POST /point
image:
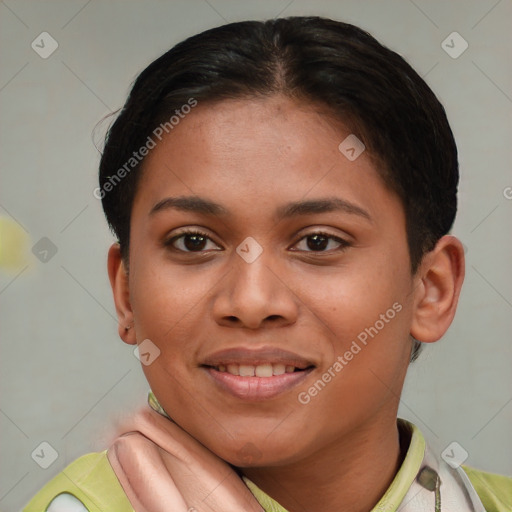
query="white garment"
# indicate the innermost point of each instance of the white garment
(66, 502)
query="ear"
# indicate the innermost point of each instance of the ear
(118, 276)
(437, 288)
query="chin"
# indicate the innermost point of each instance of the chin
(254, 453)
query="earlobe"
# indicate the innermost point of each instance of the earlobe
(121, 291)
(439, 281)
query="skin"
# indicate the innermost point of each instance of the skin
(252, 157)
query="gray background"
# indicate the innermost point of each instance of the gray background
(65, 375)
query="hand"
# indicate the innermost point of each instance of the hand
(164, 469)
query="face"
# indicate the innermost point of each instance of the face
(273, 275)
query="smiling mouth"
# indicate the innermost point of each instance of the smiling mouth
(261, 370)
(259, 381)
(252, 374)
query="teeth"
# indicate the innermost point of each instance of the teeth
(278, 369)
(262, 370)
(233, 369)
(246, 370)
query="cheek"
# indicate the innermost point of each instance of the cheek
(367, 309)
(365, 373)
(158, 288)
(166, 303)
(351, 298)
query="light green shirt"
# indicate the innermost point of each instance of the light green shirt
(92, 480)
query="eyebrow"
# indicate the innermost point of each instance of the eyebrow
(308, 207)
(313, 206)
(189, 204)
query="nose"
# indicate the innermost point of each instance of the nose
(254, 296)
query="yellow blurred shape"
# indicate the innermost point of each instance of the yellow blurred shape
(14, 243)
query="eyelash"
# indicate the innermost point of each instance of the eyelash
(343, 243)
(169, 243)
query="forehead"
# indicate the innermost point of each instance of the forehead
(242, 131)
(258, 151)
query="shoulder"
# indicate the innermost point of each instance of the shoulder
(89, 478)
(495, 491)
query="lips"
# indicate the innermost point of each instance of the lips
(257, 374)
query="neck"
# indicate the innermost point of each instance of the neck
(350, 474)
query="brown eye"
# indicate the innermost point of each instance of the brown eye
(317, 242)
(192, 241)
(321, 242)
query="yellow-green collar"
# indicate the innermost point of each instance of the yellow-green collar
(155, 405)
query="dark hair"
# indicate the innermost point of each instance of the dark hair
(368, 87)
